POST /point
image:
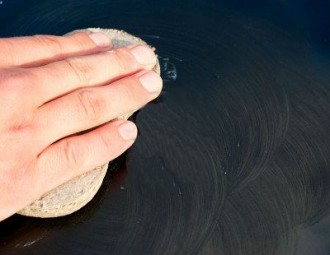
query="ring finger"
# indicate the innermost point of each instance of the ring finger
(90, 107)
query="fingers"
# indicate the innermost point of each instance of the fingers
(57, 79)
(41, 49)
(76, 155)
(88, 108)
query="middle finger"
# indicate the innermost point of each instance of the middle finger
(87, 108)
(59, 78)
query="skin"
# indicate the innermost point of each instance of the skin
(52, 88)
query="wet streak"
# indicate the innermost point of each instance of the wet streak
(232, 159)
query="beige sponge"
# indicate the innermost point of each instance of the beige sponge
(74, 194)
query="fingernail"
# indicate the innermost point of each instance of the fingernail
(151, 82)
(144, 55)
(100, 39)
(128, 131)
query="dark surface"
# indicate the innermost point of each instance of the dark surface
(233, 159)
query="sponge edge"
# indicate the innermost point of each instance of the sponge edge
(76, 193)
(69, 197)
(120, 38)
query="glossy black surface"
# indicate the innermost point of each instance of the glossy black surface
(234, 157)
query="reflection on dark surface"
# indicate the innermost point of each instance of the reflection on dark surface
(233, 159)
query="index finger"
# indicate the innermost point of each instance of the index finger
(38, 50)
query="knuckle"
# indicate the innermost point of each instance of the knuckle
(17, 174)
(15, 76)
(80, 39)
(51, 43)
(7, 46)
(15, 82)
(70, 153)
(124, 61)
(24, 130)
(131, 90)
(80, 69)
(90, 104)
(105, 141)
(10, 180)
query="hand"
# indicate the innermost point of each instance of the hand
(52, 88)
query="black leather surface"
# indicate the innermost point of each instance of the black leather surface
(233, 159)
